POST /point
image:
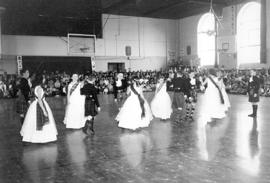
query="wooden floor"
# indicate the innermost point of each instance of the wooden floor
(235, 149)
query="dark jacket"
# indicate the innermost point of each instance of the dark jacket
(188, 87)
(90, 91)
(179, 85)
(254, 89)
(254, 86)
(25, 89)
(116, 89)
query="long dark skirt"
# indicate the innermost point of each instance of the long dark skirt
(90, 108)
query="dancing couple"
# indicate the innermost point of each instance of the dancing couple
(82, 104)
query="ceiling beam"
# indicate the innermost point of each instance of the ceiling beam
(194, 11)
(168, 6)
(162, 8)
(235, 2)
(118, 6)
(215, 3)
(199, 10)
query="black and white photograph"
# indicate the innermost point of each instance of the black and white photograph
(134, 91)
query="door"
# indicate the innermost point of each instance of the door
(116, 67)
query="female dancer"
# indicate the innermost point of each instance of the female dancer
(213, 101)
(39, 125)
(74, 117)
(227, 103)
(135, 112)
(161, 104)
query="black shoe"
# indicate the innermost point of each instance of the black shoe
(86, 126)
(254, 108)
(91, 127)
(84, 130)
(92, 132)
(22, 120)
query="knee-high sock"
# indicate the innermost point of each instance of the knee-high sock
(255, 108)
(91, 126)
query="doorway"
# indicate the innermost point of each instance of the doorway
(116, 67)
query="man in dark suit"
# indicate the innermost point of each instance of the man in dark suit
(254, 92)
(23, 96)
(179, 88)
(190, 95)
(91, 104)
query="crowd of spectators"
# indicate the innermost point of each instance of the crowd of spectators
(236, 82)
(55, 83)
(8, 86)
(105, 80)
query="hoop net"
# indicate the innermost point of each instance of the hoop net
(81, 44)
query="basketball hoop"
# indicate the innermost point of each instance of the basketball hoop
(211, 33)
(81, 44)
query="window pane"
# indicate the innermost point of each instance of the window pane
(206, 41)
(249, 33)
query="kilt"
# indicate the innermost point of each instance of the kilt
(21, 106)
(178, 100)
(252, 98)
(90, 108)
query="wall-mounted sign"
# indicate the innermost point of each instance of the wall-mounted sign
(93, 65)
(19, 63)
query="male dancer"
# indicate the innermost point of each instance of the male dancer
(253, 92)
(119, 87)
(190, 94)
(24, 96)
(179, 88)
(91, 103)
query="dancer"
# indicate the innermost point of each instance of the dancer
(135, 112)
(191, 96)
(161, 104)
(227, 103)
(253, 92)
(39, 125)
(213, 100)
(91, 103)
(74, 117)
(178, 96)
(23, 96)
(119, 87)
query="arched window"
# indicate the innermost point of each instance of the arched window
(206, 39)
(249, 33)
